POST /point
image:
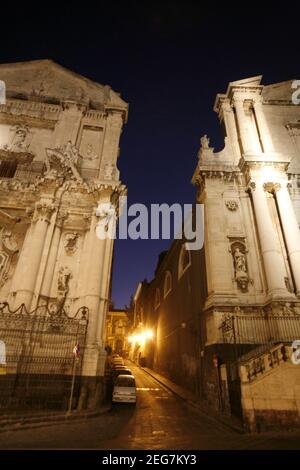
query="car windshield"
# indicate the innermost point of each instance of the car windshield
(125, 382)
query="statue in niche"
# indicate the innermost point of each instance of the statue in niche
(64, 276)
(240, 261)
(240, 268)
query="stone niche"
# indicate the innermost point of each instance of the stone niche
(91, 146)
(238, 251)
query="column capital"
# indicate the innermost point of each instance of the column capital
(238, 98)
(252, 186)
(271, 187)
(43, 211)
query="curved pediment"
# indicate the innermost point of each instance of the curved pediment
(45, 80)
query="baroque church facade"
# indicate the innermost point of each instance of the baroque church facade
(59, 145)
(225, 323)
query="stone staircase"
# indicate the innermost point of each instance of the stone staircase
(263, 360)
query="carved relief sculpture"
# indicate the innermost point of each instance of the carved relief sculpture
(18, 147)
(8, 247)
(64, 276)
(63, 161)
(231, 205)
(70, 242)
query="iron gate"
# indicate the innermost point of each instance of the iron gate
(37, 364)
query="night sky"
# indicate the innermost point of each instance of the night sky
(168, 60)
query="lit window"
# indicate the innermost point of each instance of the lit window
(167, 283)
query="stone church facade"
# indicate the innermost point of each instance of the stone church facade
(251, 194)
(59, 145)
(225, 323)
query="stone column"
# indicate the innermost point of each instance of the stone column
(247, 128)
(49, 273)
(290, 229)
(29, 262)
(263, 128)
(272, 257)
(230, 125)
(94, 357)
(242, 124)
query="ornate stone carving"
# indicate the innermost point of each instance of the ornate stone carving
(9, 242)
(64, 276)
(63, 161)
(61, 217)
(43, 211)
(18, 148)
(231, 205)
(4, 268)
(8, 247)
(204, 142)
(70, 242)
(241, 276)
(90, 153)
(109, 171)
(19, 141)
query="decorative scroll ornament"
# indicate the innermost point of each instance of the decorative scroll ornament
(63, 161)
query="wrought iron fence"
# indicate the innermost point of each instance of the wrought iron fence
(38, 363)
(260, 329)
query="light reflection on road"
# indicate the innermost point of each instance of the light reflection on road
(146, 389)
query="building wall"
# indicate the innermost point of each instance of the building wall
(62, 132)
(250, 192)
(117, 330)
(175, 350)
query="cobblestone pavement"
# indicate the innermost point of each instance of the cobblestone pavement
(158, 421)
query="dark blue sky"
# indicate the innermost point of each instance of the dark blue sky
(168, 60)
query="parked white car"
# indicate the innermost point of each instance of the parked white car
(124, 389)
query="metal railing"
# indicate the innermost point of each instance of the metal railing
(259, 329)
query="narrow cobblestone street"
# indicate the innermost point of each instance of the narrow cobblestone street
(159, 421)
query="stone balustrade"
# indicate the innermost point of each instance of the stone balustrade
(256, 367)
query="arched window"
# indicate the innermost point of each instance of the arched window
(167, 283)
(157, 299)
(184, 261)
